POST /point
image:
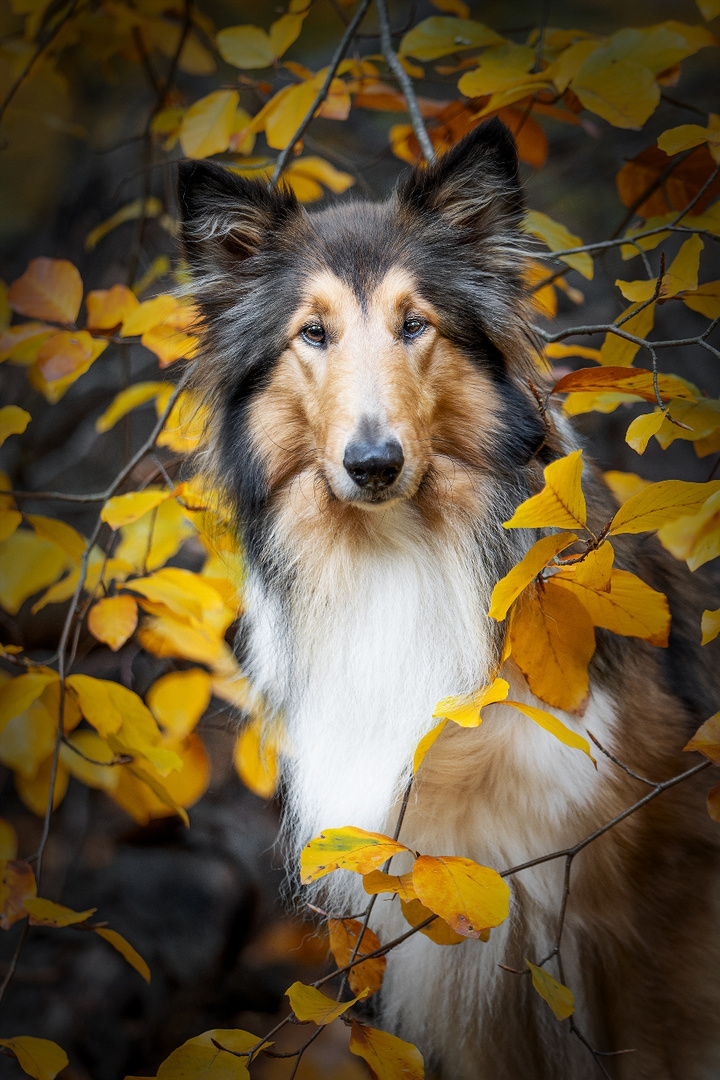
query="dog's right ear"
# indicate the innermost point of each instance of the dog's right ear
(224, 217)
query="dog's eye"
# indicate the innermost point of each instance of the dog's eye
(313, 334)
(413, 327)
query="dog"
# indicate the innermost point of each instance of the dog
(368, 370)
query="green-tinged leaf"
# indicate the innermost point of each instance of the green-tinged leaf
(439, 35)
(348, 849)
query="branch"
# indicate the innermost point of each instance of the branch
(405, 83)
(284, 155)
(36, 56)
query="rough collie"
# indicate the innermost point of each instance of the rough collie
(368, 372)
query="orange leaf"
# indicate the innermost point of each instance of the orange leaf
(107, 308)
(387, 1057)
(706, 739)
(348, 849)
(69, 352)
(17, 885)
(113, 620)
(560, 504)
(710, 625)
(553, 641)
(469, 897)
(623, 380)
(378, 882)
(344, 934)
(438, 930)
(49, 289)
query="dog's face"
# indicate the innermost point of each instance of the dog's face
(367, 353)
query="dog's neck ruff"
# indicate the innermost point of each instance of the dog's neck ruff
(369, 637)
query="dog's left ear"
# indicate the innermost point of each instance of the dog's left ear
(474, 187)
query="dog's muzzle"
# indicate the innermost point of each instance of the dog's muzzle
(374, 465)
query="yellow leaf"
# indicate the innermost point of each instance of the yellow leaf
(127, 400)
(366, 978)
(681, 276)
(47, 913)
(560, 504)
(20, 344)
(201, 1057)
(630, 608)
(113, 620)
(379, 882)
(502, 68)
(28, 564)
(438, 36)
(208, 124)
(709, 9)
(465, 709)
(310, 1004)
(8, 841)
(348, 849)
(314, 169)
(59, 533)
(148, 208)
(156, 800)
(183, 592)
(425, 743)
(37, 1057)
(34, 792)
(705, 299)
(637, 382)
(469, 897)
(553, 641)
(710, 625)
(13, 421)
(148, 543)
(186, 425)
(246, 47)
(49, 289)
(126, 950)
(285, 30)
(9, 521)
(642, 428)
(557, 351)
(103, 777)
(438, 930)
(19, 693)
(387, 1057)
(169, 344)
(178, 700)
(28, 740)
(688, 135)
(283, 120)
(96, 702)
(255, 759)
(619, 352)
(107, 308)
(554, 726)
(558, 997)
(167, 637)
(148, 314)
(558, 237)
(661, 503)
(540, 554)
(124, 509)
(620, 91)
(17, 886)
(706, 739)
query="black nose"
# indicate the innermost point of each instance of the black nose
(374, 465)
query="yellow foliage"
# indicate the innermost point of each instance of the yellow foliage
(516, 581)
(347, 849)
(438, 930)
(558, 997)
(561, 503)
(387, 1056)
(39, 1058)
(469, 897)
(13, 421)
(256, 759)
(365, 978)
(49, 289)
(310, 1004)
(558, 237)
(113, 620)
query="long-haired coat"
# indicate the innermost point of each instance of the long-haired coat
(367, 369)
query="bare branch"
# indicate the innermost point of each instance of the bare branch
(405, 83)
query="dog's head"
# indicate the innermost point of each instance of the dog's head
(375, 352)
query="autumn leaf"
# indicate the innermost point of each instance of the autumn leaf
(629, 607)
(59, 533)
(554, 726)
(113, 620)
(48, 913)
(107, 308)
(438, 36)
(553, 641)
(379, 882)
(686, 136)
(148, 314)
(558, 997)
(310, 1004)
(208, 124)
(34, 792)
(19, 693)
(245, 47)
(713, 803)
(255, 759)
(8, 840)
(469, 897)
(681, 276)
(387, 1056)
(344, 934)
(178, 700)
(49, 289)
(560, 504)
(516, 581)
(39, 1058)
(706, 739)
(661, 503)
(125, 509)
(465, 710)
(68, 353)
(635, 381)
(125, 949)
(201, 1057)
(617, 351)
(127, 400)
(28, 564)
(426, 742)
(438, 930)
(695, 537)
(13, 421)
(620, 91)
(348, 849)
(710, 625)
(558, 237)
(17, 886)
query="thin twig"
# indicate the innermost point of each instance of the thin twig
(405, 83)
(36, 56)
(284, 155)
